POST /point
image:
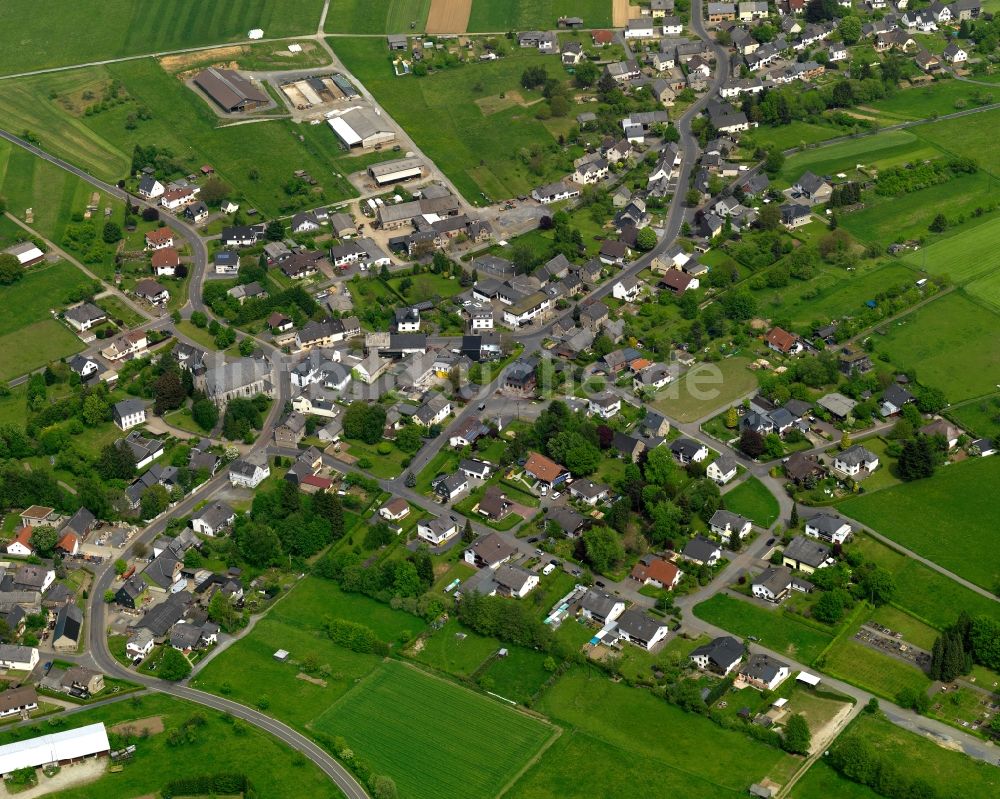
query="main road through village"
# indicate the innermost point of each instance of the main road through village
(99, 655)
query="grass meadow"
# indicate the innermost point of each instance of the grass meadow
(772, 628)
(980, 417)
(377, 16)
(732, 381)
(949, 343)
(29, 336)
(947, 518)
(479, 151)
(411, 725)
(873, 671)
(220, 745)
(67, 33)
(492, 16)
(751, 499)
(962, 257)
(257, 160)
(693, 751)
(833, 292)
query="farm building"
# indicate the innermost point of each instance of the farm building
(230, 90)
(396, 170)
(60, 747)
(26, 252)
(361, 127)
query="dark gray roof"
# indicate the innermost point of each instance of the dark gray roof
(775, 579)
(722, 651)
(825, 523)
(69, 623)
(803, 549)
(856, 455)
(600, 603)
(638, 624)
(723, 517)
(700, 548)
(762, 667)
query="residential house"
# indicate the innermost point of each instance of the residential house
(513, 581)
(944, 429)
(20, 544)
(657, 572)
(213, 519)
(140, 644)
(641, 629)
(720, 656)
(128, 413)
(806, 555)
(589, 492)
(68, 630)
(554, 192)
(776, 582)
(605, 405)
(726, 524)
(249, 472)
(722, 470)
(855, 460)
(828, 527)
(813, 188)
(686, 450)
(784, 342)
(129, 595)
(894, 398)
(763, 672)
(475, 469)
(702, 551)
(437, 530)
(18, 658)
(227, 262)
(489, 551)
(600, 606)
(546, 473)
(18, 702)
(494, 504)
(159, 238)
(84, 316)
(395, 509)
(449, 486)
(795, 216)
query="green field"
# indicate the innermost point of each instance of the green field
(456, 650)
(219, 745)
(27, 318)
(377, 16)
(950, 344)
(881, 674)
(36, 41)
(883, 149)
(478, 151)
(784, 137)
(922, 592)
(948, 518)
(973, 136)
(822, 782)
(499, 16)
(773, 628)
(256, 159)
(706, 388)
(412, 725)
(980, 417)
(707, 760)
(987, 289)
(964, 256)
(518, 676)
(752, 499)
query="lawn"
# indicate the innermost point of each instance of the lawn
(478, 151)
(864, 667)
(833, 293)
(922, 592)
(948, 518)
(752, 499)
(979, 417)
(28, 305)
(772, 628)
(518, 676)
(964, 256)
(118, 310)
(456, 650)
(796, 134)
(479, 745)
(219, 745)
(987, 290)
(377, 16)
(426, 286)
(913, 630)
(690, 747)
(257, 160)
(382, 466)
(705, 388)
(822, 782)
(950, 343)
(35, 41)
(515, 15)
(842, 156)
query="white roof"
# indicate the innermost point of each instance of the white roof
(806, 677)
(256, 33)
(344, 131)
(67, 745)
(25, 253)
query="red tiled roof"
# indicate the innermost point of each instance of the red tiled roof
(160, 235)
(543, 468)
(24, 537)
(660, 570)
(781, 339)
(316, 480)
(603, 37)
(165, 257)
(67, 543)
(676, 280)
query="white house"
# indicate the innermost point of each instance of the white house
(600, 606)
(129, 413)
(245, 473)
(829, 528)
(604, 405)
(514, 581)
(213, 519)
(641, 629)
(764, 672)
(395, 509)
(721, 655)
(140, 644)
(18, 658)
(437, 530)
(855, 459)
(725, 524)
(626, 289)
(721, 470)
(554, 192)
(21, 543)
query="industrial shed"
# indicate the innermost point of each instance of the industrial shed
(396, 170)
(60, 747)
(231, 91)
(361, 127)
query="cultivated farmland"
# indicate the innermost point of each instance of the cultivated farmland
(377, 16)
(948, 518)
(33, 40)
(497, 16)
(411, 725)
(949, 343)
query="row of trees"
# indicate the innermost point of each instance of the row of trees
(969, 640)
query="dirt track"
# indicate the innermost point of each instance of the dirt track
(449, 16)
